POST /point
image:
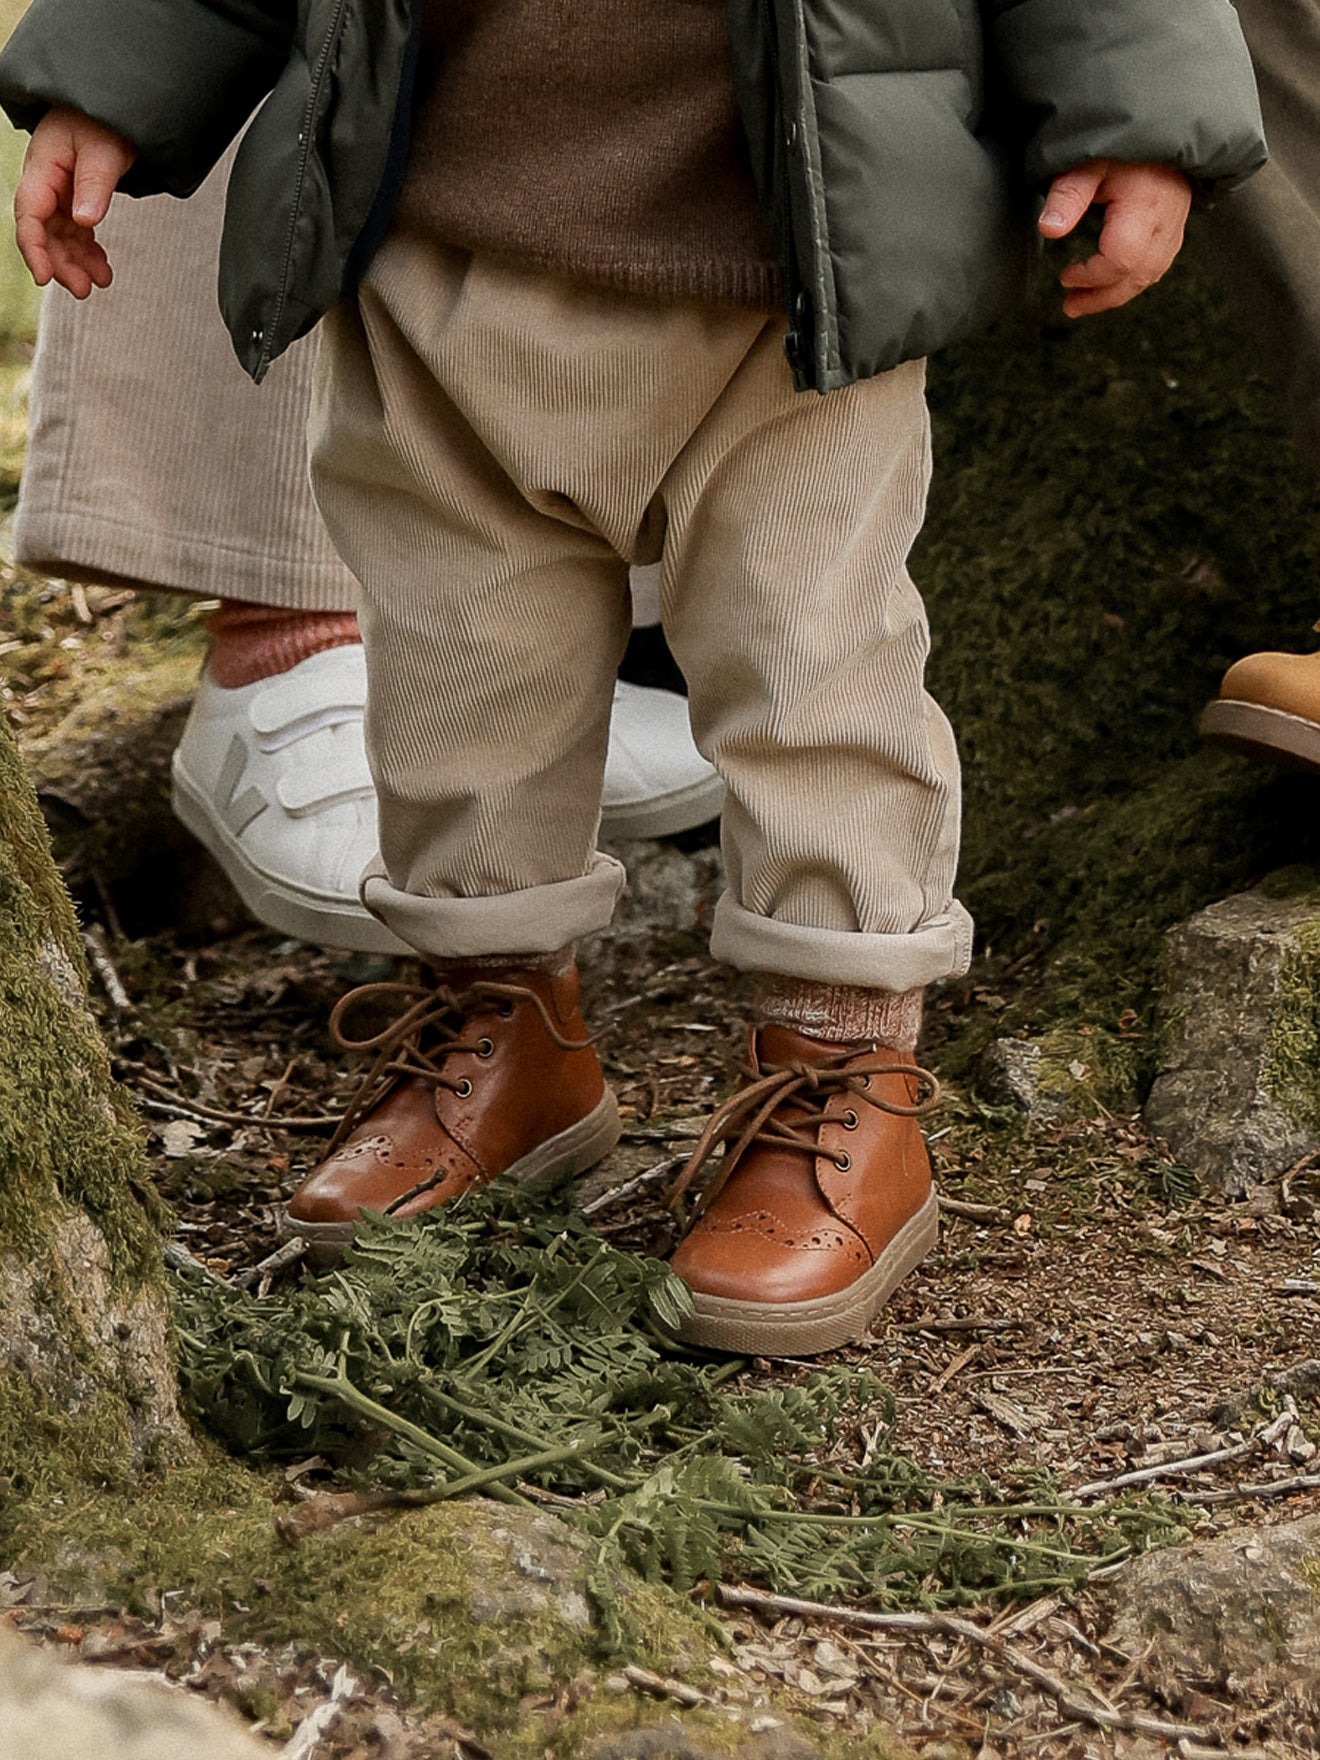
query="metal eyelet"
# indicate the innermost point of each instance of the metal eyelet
(843, 1161)
(464, 1089)
(866, 1081)
(506, 1010)
(849, 1120)
(485, 1047)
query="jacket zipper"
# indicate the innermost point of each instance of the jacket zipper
(797, 340)
(304, 154)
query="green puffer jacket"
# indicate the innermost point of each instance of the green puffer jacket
(897, 144)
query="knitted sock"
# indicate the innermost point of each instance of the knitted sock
(842, 1013)
(251, 642)
(556, 964)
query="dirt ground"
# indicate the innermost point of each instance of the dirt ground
(1088, 1311)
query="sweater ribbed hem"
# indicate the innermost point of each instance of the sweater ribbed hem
(741, 286)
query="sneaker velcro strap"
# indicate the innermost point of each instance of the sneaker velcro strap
(313, 786)
(329, 687)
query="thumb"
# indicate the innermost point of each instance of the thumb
(1069, 198)
(98, 169)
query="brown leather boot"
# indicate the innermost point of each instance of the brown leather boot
(1268, 708)
(492, 1072)
(822, 1202)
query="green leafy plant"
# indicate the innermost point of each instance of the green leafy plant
(520, 1356)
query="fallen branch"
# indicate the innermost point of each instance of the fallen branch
(949, 1626)
(661, 1170)
(1259, 1440)
(1243, 1493)
(288, 1254)
(972, 1212)
(171, 1106)
(98, 953)
(661, 1687)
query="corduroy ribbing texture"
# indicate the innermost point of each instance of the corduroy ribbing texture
(491, 449)
(600, 139)
(152, 458)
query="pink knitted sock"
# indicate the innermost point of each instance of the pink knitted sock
(251, 642)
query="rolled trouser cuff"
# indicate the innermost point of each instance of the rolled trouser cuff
(537, 920)
(939, 948)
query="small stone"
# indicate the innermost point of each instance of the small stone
(1298, 1446)
(1010, 1075)
(1232, 1605)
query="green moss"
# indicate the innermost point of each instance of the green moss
(68, 1137)
(1090, 576)
(1290, 1072)
(76, 1208)
(396, 1595)
(1089, 1072)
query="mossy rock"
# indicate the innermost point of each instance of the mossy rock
(471, 1609)
(1090, 575)
(1237, 1093)
(86, 1370)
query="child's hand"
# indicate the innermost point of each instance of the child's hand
(1146, 210)
(72, 167)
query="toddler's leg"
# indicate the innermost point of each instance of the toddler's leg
(789, 605)
(790, 609)
(493, 626)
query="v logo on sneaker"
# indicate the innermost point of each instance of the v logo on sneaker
(237, 810)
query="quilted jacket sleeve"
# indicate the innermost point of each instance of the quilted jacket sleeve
(178, 78)
(1165, 80)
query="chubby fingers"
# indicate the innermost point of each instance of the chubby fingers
(1069, 198)
(72, 167)
(1146, 209)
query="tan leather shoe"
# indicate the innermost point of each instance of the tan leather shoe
(489, 1073)
(1269, 709)
(822, 1202)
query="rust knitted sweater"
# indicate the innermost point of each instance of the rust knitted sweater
(598, 139)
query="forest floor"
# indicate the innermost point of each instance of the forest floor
(1089, 1313)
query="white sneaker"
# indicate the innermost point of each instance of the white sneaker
(272, 778)
(656, 781)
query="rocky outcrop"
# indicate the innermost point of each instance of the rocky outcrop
(1237, 1094)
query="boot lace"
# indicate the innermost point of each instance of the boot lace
(749, 1115)
(428, 1031)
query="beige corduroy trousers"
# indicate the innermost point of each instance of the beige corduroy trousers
(491, 448)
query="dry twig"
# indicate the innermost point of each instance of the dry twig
(661, 1687)
(948, 1625)
(1242, 1493)
(972, 1212)
(1260, 1439)
(99, 955)
(661, 1170)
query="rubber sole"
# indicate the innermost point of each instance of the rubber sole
(1270, 736)
(559, 1158)
(804, 1329)
(321, 918)
(667, 814)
